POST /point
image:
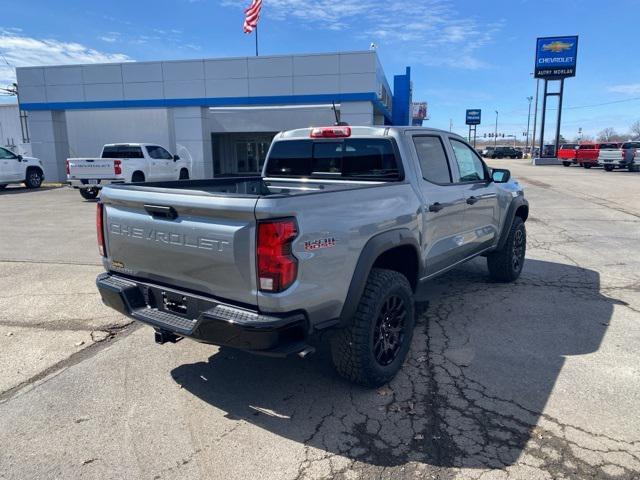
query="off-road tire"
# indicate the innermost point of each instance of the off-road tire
(502, 263)
(566, 164)
(34, 178)
(89, 193)
(137, 177)
(608, 168)
(352, 348)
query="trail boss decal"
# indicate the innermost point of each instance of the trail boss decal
(311, 245)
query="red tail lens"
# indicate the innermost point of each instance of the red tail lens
(117, 167)
(277, 267)
(100, 229)
(330, 132)
(66, 166)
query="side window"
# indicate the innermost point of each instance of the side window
(6, 154)
(433, 159)
(470, 166)
(158, 153)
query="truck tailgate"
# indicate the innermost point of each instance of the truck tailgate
(199, 242)
(91, 168)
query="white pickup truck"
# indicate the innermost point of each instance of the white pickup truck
(124, 163)
(18, 169)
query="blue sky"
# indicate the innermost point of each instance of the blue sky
(463, 54)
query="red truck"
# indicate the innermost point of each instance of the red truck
(567, 154)
(587, 154)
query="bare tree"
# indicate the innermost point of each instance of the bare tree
(635, 130)
(607, 135)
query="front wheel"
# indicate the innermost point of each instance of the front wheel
(184, 174)
(608, 168)
(586, 165)
(634, 168)
(373, 348)
(505, 265)
(2, 187)
(34, 178)
(89, 193)
(566, 164)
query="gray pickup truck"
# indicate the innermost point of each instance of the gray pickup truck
(335, 236)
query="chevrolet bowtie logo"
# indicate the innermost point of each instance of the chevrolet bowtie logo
(557, 46)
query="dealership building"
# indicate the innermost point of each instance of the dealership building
(220, 114)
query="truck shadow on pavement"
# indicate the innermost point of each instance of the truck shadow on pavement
(484, 360)
(15, 190)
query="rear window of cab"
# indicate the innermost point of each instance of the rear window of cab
(352, 158)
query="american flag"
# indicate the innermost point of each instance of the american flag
(251, 15)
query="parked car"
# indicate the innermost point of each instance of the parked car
(487, 152)
(505, 152)
(625, 156)
(265, 263)
(587, 154)
(124, 163)
(567, 154)
(19, 169)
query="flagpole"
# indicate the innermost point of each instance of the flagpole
(256, 40)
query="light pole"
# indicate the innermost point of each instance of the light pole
(495, 137)
(526, 147)
(535, 120)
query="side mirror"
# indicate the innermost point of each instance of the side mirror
(500, 175)
(20, 158)
(176, 158)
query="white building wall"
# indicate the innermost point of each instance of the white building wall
(89, 130)
(10, 130)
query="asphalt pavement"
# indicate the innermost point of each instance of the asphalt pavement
(536, 379)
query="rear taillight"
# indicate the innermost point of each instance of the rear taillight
(277, 267)
(117, 167)
(100, 228)
(66, 167)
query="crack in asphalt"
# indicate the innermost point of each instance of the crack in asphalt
(112, 334)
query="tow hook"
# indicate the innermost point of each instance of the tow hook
(162, 337)
(307, 351)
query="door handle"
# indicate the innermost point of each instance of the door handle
(436, 207)
(472, 200)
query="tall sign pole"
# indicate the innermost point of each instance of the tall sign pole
(473, 119)
(555, 60)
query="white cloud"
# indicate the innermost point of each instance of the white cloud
(431, 32)
(20, 51)
(628, 89)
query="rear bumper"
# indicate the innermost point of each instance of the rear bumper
(203, 318)
(99, 183)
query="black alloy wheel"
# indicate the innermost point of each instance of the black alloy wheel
(388, 335)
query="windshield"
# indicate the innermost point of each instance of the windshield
(568, 146)
(609, 145)
(587, 147)
(356, 158)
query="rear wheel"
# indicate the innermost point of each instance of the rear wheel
(373, 348)
(608, 168)
(566, 164)
(34, 178)
(586, 165)
(505, 265)
(89, 193)
(634, 168)
(2, 187)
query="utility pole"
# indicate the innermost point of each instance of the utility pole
(495, 138)
(528, 124)
(535, 120)
(451, 124)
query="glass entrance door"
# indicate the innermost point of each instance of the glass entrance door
(251, 154)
